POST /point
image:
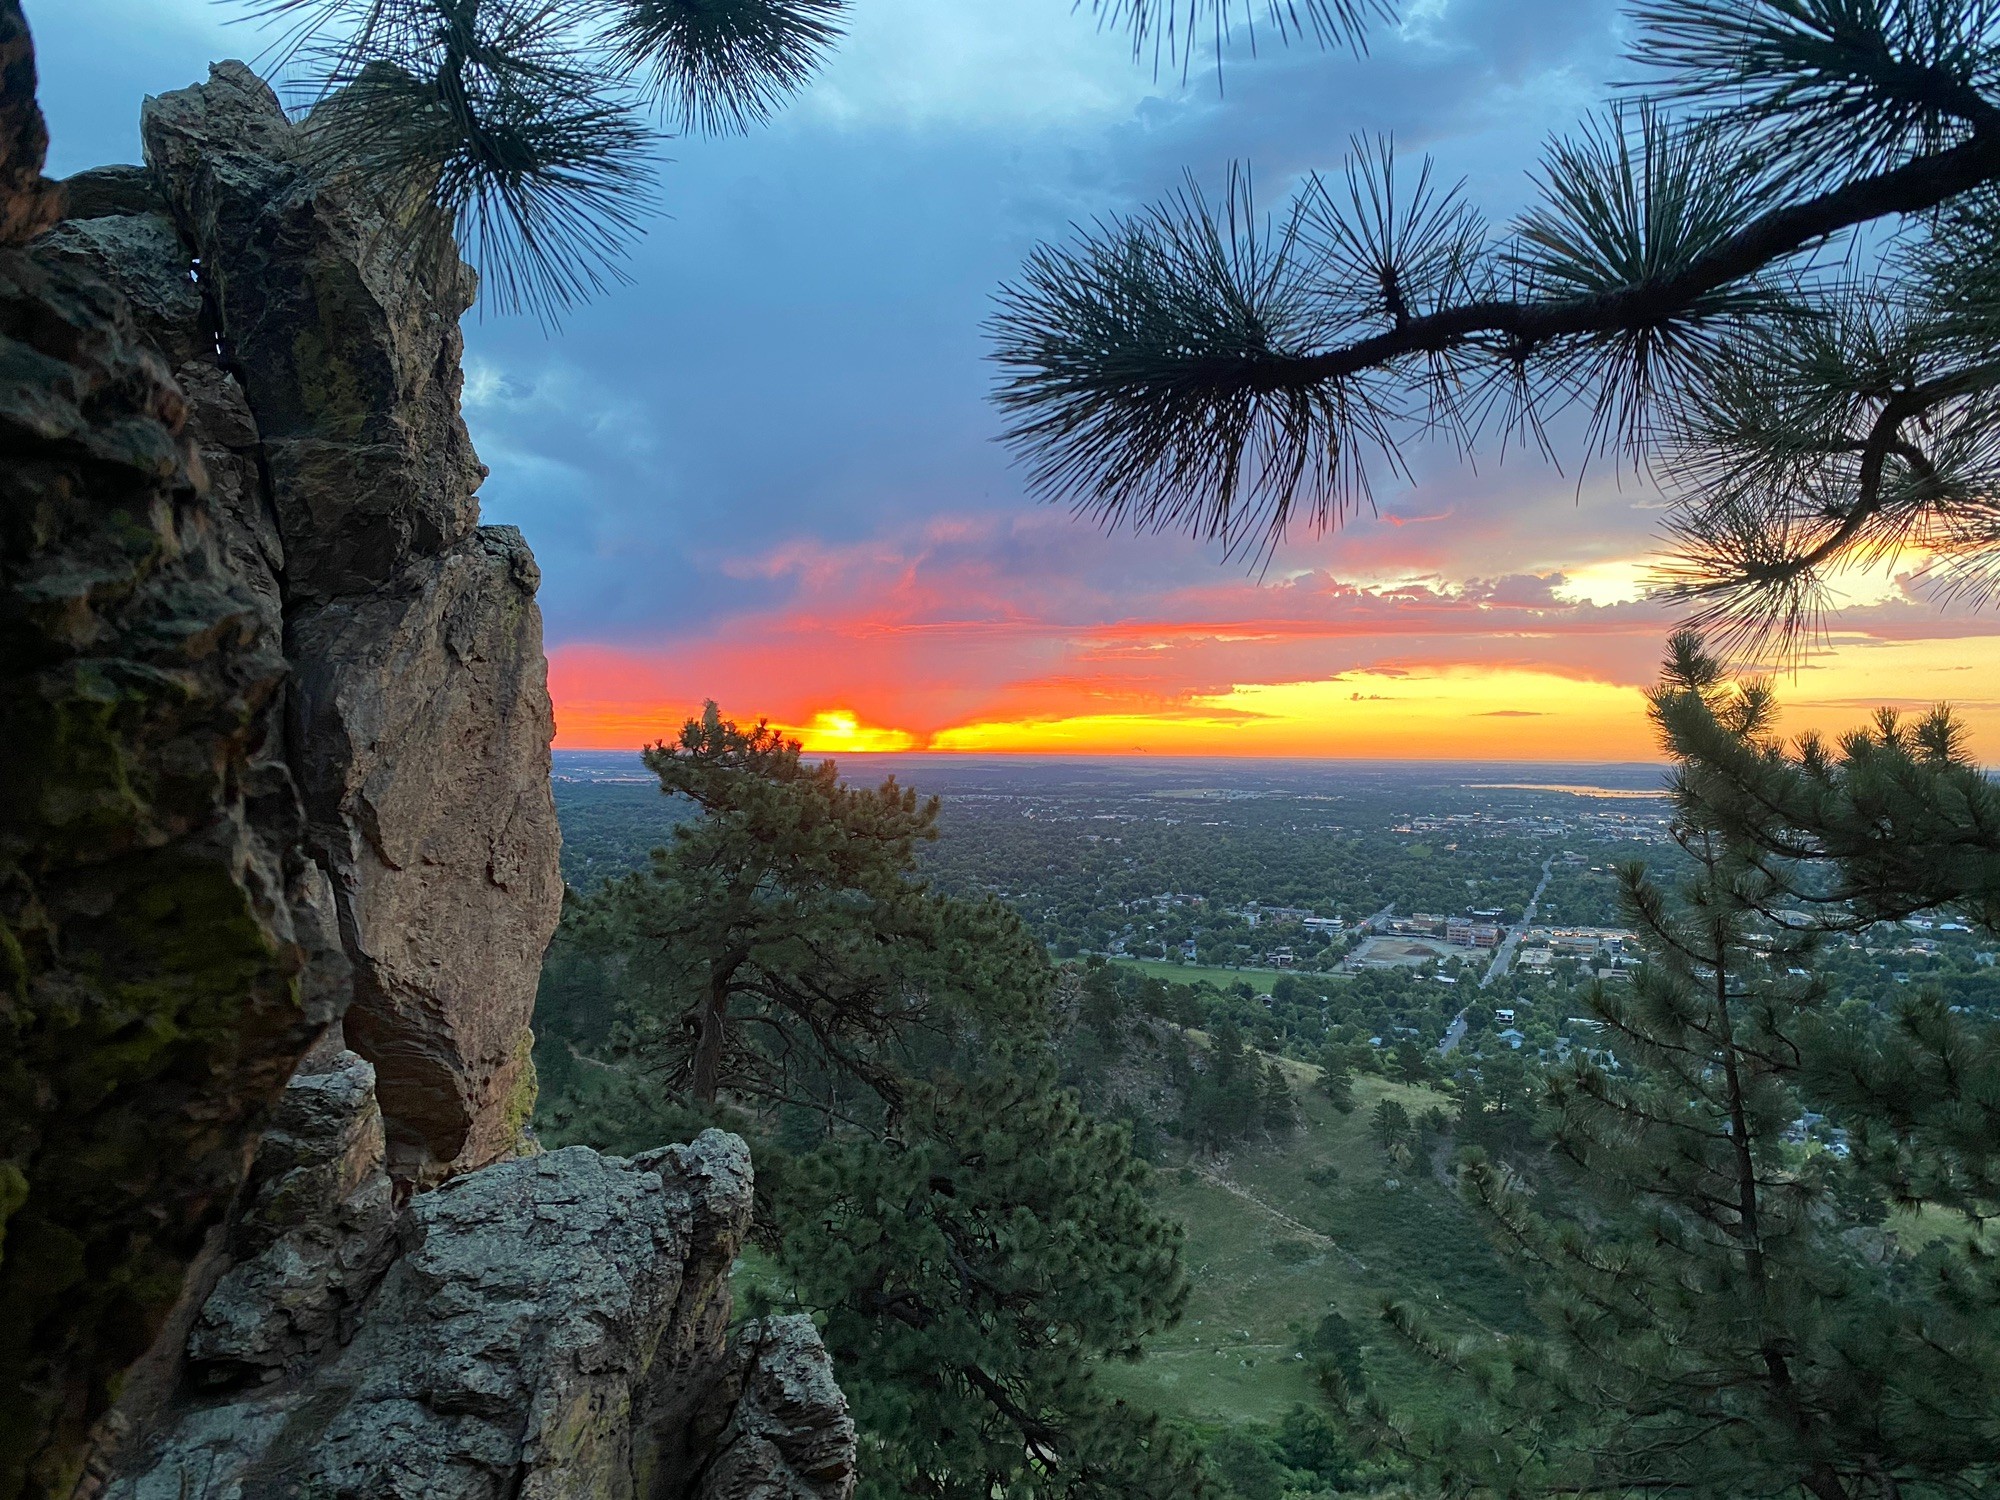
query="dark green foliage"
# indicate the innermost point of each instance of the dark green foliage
(1389, 1123)
(1412, 1066)
(1102, 1007)
(1247, 1468)
(781, 941)
(484, 119)
(1311, 1444)
(1336, 1078)
(1890, 820)
(1223, 1100)
(1305, 1454)
(721, 65)
(1334, 1352)
(1724, 1321)
(1278, 1111)
(972, 1243)
(968, 1273)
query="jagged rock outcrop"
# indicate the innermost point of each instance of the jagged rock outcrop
(420, 706)
(549, 1327)
(311, 1241)
(345, 486)
(273, 727)
(424, 726)
(155, 918)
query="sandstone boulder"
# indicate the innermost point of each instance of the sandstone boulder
(423, 726)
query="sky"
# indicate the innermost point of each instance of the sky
(765, 472)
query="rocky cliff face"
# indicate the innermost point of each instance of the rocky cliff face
(274, 729)
(319, 354)
(166, 951)
(555, 1326)
(420, 709)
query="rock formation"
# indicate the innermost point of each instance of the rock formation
(274, 721)
(158, 923)
(420, 710)
(549, 1327)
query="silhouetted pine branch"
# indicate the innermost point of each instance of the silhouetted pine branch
(1188, 368)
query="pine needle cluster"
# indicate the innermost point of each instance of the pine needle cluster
(526, 127)
(1766, 276)
(530, 128)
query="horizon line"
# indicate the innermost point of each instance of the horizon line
(1146, 755)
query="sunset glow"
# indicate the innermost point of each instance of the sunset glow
(833, 730)
(1404, 708)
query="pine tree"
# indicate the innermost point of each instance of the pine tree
(783, 938)
(1334, 1351)
(1222, 1100)
(972, 1242)
(1278, 1111)
(968, 1275)
(1101, 1007)
(1722, 1319)
(1411, 1064)
(1389, 1123)
(1336, 1078)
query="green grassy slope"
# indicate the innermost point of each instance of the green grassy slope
(1259, 980)
(1276, 1240)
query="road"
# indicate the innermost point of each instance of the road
(1508, 944)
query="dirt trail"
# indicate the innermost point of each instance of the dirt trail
(1236, 1189)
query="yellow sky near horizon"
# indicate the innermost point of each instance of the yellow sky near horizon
(1462, 712)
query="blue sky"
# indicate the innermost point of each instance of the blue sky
(766, 469)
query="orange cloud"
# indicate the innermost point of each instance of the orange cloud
(1030, 637)
(1450, 713)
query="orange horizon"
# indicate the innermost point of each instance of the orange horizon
(1412, 712)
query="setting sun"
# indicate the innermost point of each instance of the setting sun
(836, 729)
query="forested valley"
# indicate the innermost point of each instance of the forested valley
(1103, 1171)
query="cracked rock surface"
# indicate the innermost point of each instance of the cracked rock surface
(554, 1326)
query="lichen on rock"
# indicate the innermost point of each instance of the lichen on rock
(151, 1005)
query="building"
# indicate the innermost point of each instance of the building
(1467, 933)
